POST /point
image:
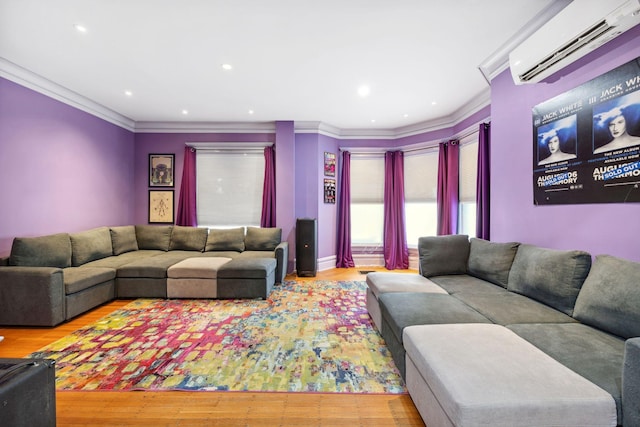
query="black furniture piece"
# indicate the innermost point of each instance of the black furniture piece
(27, 393)
(306, 247)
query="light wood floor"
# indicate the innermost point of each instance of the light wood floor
(231, 409)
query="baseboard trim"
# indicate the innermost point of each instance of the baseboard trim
(362, 260)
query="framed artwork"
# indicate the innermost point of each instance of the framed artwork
(329, 190)
(161, 170)
(160, 206)
(329, 164)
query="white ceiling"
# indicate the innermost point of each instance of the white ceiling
(300, 60)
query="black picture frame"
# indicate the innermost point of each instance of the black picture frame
(161, 170)
(161, 206)
(329, 164)
(329, 190)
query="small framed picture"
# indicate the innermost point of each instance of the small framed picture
(329, 190)
(160, 206)
(329, 164)
(161, 170)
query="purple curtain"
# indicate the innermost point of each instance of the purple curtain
(187, 201)
(483, 182)
(396, 251)
(343, 251)
(448, 166)
(268, 217)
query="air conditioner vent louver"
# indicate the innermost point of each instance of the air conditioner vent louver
(579, 28)
(576, 44)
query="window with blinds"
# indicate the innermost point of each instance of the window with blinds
(367, 199)
(421, 192)
(229, 187)
(467, 185)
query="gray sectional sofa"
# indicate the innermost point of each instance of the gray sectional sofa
(582, 314)
(49, 279)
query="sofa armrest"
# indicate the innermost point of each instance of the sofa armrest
(631, 383)
(282, 258)
(32, 296)
(4, 261)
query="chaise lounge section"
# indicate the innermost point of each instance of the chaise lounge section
(583, 318)
(47, 280)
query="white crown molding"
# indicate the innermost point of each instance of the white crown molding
(39, 84)
(229, 145)
(474, 105)
(317, 128)
(205, 127)
(28, 79)
(498, 61)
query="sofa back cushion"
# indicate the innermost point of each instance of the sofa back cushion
(491, 261)
(610, 297)
(262, 239)
(553, 277)
(442, 255)
(230, 239)
(188, 238)
(123, 239)
(90, 245)
(44, 251)
(153, 236)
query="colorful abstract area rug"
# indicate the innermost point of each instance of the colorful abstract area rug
(313, 336)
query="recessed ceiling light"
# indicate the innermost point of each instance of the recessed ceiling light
(227, 67)
(434, 103)
(80, 28)
(405, 115)
(185, 112)
(250, 111)
(128, 93)
(373, 120)
(364, 90)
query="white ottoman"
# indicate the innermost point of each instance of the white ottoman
(194, 277)
(486, 375)
(380, 282)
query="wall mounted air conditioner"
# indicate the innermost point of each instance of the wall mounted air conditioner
(576, 30)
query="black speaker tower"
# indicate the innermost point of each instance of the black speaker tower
(306, 247)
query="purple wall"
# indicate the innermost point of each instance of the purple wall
(327, 212)
(285, 184)
(308, 176)
(309, 203)
(62, 170)
(596, 228)
(147, 143)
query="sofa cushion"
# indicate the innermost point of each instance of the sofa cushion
(153, 236)
(152, 267)
(90, 245)
(44, 251)
(123, 239)
(262, 239)
(441, 255)
(382, 282)
(509, 307)
(594, 354)
(491, 261)
(188, 238)
(610, 297)
(230, 239)
(489, 376)
(553, 277)
(402, 309)
(463, 283)
(78, 279)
